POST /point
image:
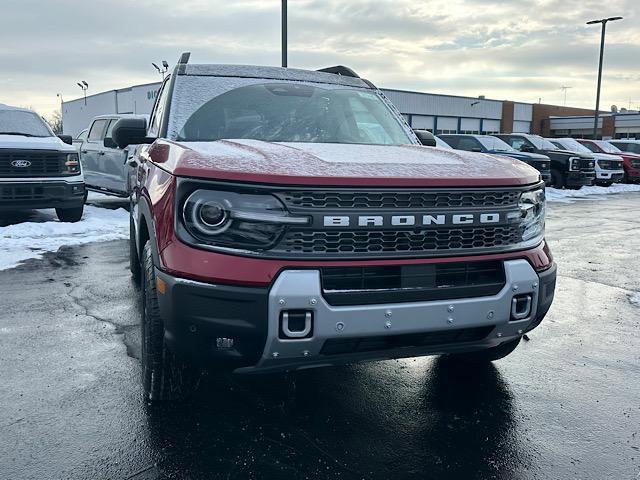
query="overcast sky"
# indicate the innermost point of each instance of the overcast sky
(518, 49)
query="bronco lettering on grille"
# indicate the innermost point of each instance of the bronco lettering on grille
(411, 220)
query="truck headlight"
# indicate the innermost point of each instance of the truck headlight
(72, 163)
(232, 220)
(575, 164)
(532, 206)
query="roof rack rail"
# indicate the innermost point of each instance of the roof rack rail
(181, 66)
(340, 70)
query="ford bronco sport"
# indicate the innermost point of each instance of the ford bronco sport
(284, 219)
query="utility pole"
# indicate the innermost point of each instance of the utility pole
(604, 22)
(564, 88)
(284, 33)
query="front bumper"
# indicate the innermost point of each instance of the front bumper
(580, 178)
(23, 195)
(609, 176)
(239, 328)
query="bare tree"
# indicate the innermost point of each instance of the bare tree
(55, 122)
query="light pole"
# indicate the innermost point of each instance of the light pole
(604, 22)
(163, 70)
(284, 33)
(84, 86)
(564, 88)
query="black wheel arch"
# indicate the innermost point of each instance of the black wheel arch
(145, 230)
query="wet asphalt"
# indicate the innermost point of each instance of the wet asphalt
(565, 404)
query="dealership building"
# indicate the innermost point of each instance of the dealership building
(434, 112)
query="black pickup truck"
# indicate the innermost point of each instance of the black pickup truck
(568, 169)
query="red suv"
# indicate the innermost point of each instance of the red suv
(631, 160)
(284, 219)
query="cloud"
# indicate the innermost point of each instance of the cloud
(518, 49)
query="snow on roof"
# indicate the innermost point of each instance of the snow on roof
(9, 107)
(276, 73)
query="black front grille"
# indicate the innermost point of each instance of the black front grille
(409, 199)
(586, 165)
(411, 283)
(338, 346)
(398, 241)
(34, 163)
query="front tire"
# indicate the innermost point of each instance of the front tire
(487, 355)
(557, 180)
(165, 377)
(70, 215)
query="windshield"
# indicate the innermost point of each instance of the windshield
(542, 143)
(572, 145)
(493, 143)
(21, 122)
(442, 144)
(608, 148)
(295, 112)
(628, 147)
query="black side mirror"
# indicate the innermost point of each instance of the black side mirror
(476, 149)
(526, 148)
(109, 143)
(130, 131)
(426, 137)
(68, 139)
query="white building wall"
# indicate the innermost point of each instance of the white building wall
(520, 126)
(76, 116)
(522, 112)
(445, 105)
(422, 121)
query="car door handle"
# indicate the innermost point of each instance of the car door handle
(100, 153)
(84, 151)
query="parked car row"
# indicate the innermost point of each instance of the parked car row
(562, 162)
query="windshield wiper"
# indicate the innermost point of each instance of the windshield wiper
(19, 133)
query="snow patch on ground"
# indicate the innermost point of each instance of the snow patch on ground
(634, 298)
(568, 196)
(26, 240)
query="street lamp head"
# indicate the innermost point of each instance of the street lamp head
(85, 84)
(165, 64)
(155, 66)
(604, 20)
(80, 85)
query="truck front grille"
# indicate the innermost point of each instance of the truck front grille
(435, 199)
(451, 240)
(411, 283)
(35, 163)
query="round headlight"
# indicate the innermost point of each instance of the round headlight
(212, 214)
(210, 217)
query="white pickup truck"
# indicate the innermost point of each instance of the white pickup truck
(37, 168)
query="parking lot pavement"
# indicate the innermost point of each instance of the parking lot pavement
(564, 405)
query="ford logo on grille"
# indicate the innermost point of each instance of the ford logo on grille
(21, 163)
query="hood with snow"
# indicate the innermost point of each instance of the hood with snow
(337, 164)
(34, 143)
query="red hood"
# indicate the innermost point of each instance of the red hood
(337, 164)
